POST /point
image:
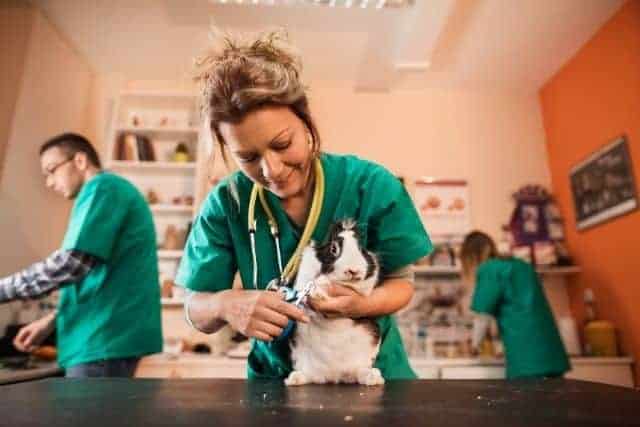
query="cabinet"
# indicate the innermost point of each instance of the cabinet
(614, 371)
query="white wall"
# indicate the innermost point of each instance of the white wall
(495, 140)
(53, 98)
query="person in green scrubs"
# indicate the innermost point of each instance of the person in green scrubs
(509, 290)
(260, 117)
(108, 314)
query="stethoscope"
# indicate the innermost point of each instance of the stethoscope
(282, 282)
(290, 270)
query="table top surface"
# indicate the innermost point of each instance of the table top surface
(206, 402)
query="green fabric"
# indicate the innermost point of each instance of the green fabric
(218, 245)
(510, 290)
(114, 312)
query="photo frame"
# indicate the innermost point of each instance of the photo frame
(444, 206)
(603, 185)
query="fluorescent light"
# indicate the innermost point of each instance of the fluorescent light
(364, 4)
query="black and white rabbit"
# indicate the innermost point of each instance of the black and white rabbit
(336, 350)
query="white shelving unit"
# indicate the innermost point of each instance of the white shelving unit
(166, 208)
(166, 166)
(165, 119)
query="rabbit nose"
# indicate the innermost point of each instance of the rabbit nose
(353, 274)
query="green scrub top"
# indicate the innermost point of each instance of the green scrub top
(114, 312)
(510, 290)
(219, 245)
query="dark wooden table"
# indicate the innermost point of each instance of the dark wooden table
(216, 402)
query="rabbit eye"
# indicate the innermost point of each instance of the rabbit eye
(334, 249)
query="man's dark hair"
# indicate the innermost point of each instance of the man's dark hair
(71, 144)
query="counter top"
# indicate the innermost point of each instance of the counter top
(206, 402)
(191, 358)
(8, 376)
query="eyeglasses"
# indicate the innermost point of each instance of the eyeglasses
(49, 172)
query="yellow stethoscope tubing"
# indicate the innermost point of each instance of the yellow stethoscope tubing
(257, 193)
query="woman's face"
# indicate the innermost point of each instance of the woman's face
(273, 147)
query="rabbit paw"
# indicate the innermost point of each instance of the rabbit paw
(370, 376)
(319, 292)
(296, 378)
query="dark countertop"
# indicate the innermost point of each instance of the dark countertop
(41, 370)
(218, 402)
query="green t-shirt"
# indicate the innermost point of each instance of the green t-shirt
(114, 312)
(218, 246)
(509, 290)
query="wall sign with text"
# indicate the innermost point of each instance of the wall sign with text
(603, 185)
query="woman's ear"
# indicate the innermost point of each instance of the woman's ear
(312, 147)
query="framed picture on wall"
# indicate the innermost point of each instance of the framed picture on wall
(603, 185)
(444, 206)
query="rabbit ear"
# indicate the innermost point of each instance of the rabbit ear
(334, 231)
(373, 265)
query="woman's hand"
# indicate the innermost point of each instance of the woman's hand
(259, 314)
(338, 301)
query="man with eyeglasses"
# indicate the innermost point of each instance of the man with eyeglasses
(108, 314)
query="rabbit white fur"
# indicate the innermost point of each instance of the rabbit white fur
(336, 350)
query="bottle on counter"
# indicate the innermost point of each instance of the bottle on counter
(486, 347)
(599, 335)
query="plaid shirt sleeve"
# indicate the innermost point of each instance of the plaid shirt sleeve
(61, 268)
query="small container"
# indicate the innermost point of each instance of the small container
(486, 348)
(600, 339)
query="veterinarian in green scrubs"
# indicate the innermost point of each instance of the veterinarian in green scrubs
(108, 314)
(509, 290)
(259, 114)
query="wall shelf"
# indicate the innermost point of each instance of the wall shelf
(435, 270)
(559, 270)
(166, 208)
(188, 167)
(156, 130)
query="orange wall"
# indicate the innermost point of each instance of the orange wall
(594, 98)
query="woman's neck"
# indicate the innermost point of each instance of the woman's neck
(298, 206)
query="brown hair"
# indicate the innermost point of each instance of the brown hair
(241, 73)
(476, 248)
(72, 143)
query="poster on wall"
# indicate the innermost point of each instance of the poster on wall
(603, 185)
(444, 206)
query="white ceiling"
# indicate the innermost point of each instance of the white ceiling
(494, 44)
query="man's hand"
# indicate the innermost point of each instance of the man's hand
(338, 301)
(31, 336)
